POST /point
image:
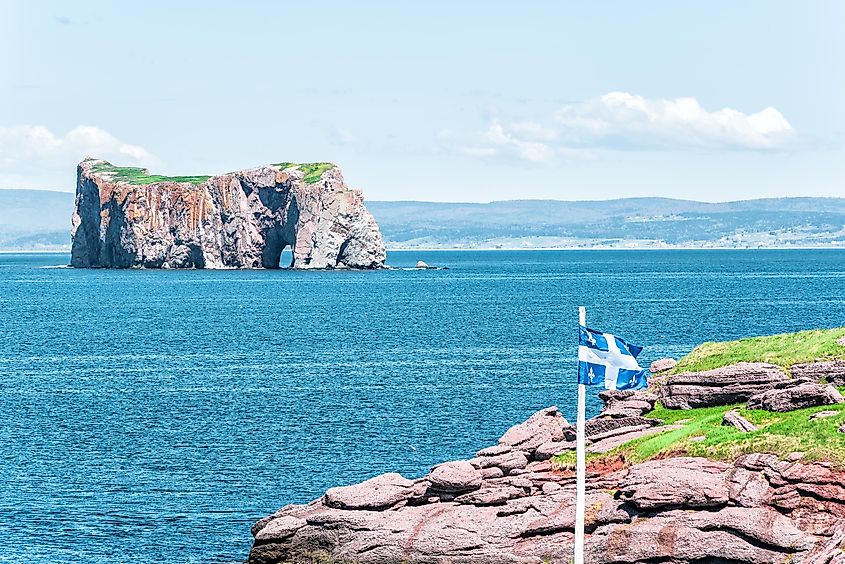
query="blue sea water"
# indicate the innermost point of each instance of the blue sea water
(153, 416)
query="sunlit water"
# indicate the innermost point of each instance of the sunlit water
(151, 416)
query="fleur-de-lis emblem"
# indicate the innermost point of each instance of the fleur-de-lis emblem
(591, 375)
(591, 339)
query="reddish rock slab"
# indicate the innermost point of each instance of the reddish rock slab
(722, 386)
(544, 426)
(831, 371)
(376, 493)
(800, 396)
(458, 476)
(676, 482)
(662, 365)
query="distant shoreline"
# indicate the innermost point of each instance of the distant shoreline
(522, 249)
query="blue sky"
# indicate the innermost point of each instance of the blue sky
(437, 101)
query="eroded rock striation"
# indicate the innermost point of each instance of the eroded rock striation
(126, 218)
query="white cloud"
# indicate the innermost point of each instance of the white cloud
(525, 141)
(32, 154)
(623, 121)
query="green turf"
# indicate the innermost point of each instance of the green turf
(137, 175)
(778, 433)
(312, 171)
(783, 350)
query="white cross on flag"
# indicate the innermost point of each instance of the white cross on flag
(606, 359)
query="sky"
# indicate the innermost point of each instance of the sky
(435, 101)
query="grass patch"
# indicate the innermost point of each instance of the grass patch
(702, 434)
(312, 171)
(783, 350)
(137, 175)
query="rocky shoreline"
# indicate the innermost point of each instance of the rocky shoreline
(511, 504)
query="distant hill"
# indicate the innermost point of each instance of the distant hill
(35, 220)
(40, 220)
(630, 222)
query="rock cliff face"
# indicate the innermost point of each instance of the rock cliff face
(126, 218)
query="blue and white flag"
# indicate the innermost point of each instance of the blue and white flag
(606, 359)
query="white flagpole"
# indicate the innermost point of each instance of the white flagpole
(580, 462)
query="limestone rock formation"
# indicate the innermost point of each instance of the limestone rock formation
(125, 217)
(721, 386)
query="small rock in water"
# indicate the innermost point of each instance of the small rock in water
(422, 264)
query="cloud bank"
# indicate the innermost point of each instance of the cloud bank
(623, 122)
(30, 153)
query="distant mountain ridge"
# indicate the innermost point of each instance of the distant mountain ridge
(40, 220)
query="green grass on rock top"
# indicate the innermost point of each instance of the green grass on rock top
(701, 433)
(138, 175)
(312, 171)
(783, 350)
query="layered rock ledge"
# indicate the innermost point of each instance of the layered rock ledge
(508, 505)
(125, 217)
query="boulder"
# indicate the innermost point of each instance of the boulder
(421, 264)
(796, 396)
(751, 535)
(376, 493)
(490, 496)
(722, 386)
(824, 414)
(544, 426)
(626, 403)
(280, 528)
(676, 482)
(599, 427)
(505, 462)
(662, 365)
(733, 418)
(495, 450)
(453, 477)
(831, 371)
(552, 448)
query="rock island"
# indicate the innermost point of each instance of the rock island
(125, 217)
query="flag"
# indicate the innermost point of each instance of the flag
(608, 360)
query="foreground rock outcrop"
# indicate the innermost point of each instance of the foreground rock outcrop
(758, 510)
(510, 504)
(126, 218)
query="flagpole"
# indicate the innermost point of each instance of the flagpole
(580, 462)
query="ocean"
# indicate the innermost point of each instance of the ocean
(153, 416)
